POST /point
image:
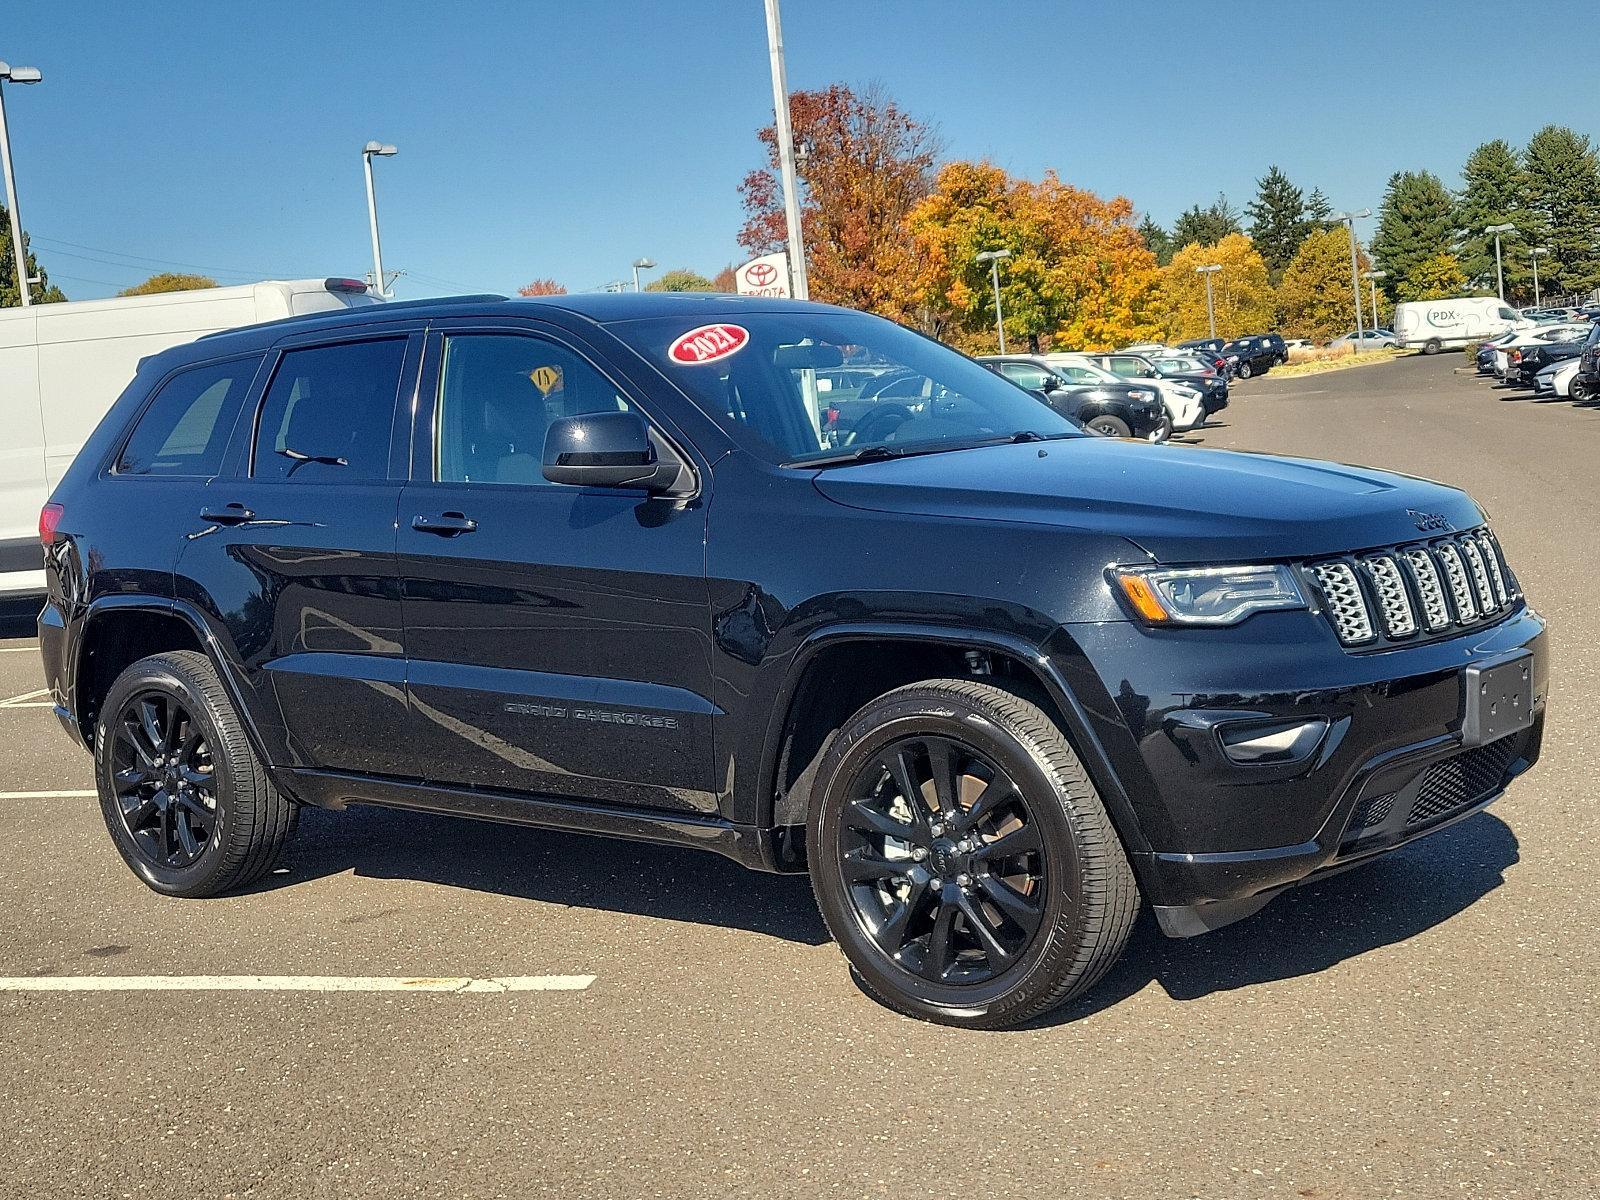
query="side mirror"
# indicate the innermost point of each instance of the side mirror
(608, 449)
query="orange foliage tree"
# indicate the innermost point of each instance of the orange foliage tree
(1079, 275)
(866, 164)
(542, 287)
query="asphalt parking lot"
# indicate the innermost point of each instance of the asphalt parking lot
(1425, 1026)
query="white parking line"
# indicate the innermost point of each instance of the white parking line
(45, 795)
(292, 983)
(28, 700)
(19, 649)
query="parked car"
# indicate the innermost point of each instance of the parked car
(1185, 404)
(1585, 384)
(1508, 357)
(1485, 357)
(1277, 345)
(1300, 344)
(1107, 406)
(1213, 345)
(993, 683)
(1370, 339)
(1534, 359)
(1251, 356)
(1434, 325)
(63, 365)
(1195, 373)
(1556, 379)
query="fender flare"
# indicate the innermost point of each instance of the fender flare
(1079, 730)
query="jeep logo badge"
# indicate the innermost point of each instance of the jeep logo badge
(1430, 522)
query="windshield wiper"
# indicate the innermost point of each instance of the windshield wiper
(864, 454)
(878, 453)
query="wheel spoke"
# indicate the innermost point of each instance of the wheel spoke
(936, 960)
(140, 816)
(892, 934)
(186, 838)
(906, 780)
(942, 763)
(168, 811)
(987, 935)
(133, 732)
(866, 867)
(995, 793)
(1011, 902)
(198, 779)
(1023, 840)
(130, 778)
(862, 816)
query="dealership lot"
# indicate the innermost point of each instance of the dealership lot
(1423, 1026)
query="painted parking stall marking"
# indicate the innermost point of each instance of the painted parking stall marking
(67, 795)
(461, 984)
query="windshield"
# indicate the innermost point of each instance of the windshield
(1081, 370)
(811, 384)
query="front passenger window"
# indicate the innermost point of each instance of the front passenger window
(498, 394)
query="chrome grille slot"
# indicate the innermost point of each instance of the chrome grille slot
(1432, 589)
(1394, 604)
(1455, 572)
(1424, 572)
(1480, 576)
(1346, 605)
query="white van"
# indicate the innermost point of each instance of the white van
(62, 365)
(1435, 325)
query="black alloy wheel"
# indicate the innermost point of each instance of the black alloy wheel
(165, 779)
(1245, 370)
(944, 861)
(1109, 426)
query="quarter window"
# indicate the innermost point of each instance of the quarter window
(329, 413)
(498, 394)
(184, 431)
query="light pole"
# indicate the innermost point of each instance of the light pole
(1538, 253)
(1372, 278)
(10, 74)
(1499, 270)
(367, 152)
(1350, 219)
(641, 264)
(1211, 312)
(785, 132)
(993, 257)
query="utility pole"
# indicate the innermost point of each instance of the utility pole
(1372, 278)
(367, 153)
(1211, 312)
(993, 257)
(785, 133)
(1499, 268)
(1350, 218)
(1538, 253)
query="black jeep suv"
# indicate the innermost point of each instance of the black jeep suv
(597, 563)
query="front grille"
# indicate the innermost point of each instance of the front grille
(1374, 811)
(1430, 589)
(1462, 781)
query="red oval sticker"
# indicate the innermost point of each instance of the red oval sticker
(707, 344)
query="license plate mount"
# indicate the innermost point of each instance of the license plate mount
(1497, 699)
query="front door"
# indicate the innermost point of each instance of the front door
(558, 638)
(294, 549)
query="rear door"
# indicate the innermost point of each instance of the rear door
(292, 550)
(558, 637)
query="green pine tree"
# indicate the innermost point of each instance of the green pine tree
(10, 297)
(1157, 240)
(1563, 175)
(1278, 221)
(1494, 192)
(1319, 212)
(1415, 222)
(1206, 226)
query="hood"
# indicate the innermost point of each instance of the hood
(1177, 503)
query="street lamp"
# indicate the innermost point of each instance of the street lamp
(1350, 219)
(368, 151)
(785, 136)
(993, 257)
(1372, 278)
(641, 264)
(1538, 253)
(1499, 270)
(10, 74)
(1211, 312)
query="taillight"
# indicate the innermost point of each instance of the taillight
(49, 518)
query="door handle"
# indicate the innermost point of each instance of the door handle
(445, 524)
(227, 514)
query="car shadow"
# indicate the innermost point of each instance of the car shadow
(18, 618)
(577, 870)
(1311, 928)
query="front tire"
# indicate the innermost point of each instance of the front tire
(1109, 426)
(1245, 370)
(962, 859)
(187, 803)
(1431, 346)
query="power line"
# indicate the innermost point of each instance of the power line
(160, 262)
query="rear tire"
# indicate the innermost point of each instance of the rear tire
(1109, 426)
(1431, 346)
(187, 803)
(962, 859)
(1245, 370)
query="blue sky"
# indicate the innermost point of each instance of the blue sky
(566, 139)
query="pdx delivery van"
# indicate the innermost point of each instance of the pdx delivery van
(61, 366)
(1435, 325)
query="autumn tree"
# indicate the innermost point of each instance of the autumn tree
(542, 287)
(724, 280)
(1079, 274)
(867, 164)
(1438, 277)
(168, 281)
(1241, 293)
(1416, 221)
(1314, 296)
(680, 281)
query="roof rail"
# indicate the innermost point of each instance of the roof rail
(369, 311)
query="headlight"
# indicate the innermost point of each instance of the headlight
(1141, 394)
(1206, 595)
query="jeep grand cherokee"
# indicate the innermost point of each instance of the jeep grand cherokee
(599, 563)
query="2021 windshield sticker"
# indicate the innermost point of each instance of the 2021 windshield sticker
(707, 344)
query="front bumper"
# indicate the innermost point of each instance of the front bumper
(1214, 840)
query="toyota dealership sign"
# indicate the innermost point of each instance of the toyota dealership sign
(764, 276)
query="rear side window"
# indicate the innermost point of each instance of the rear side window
(329, 413)
(184, 430)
